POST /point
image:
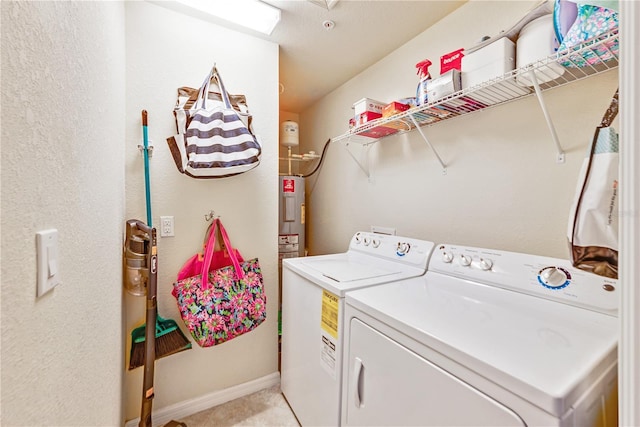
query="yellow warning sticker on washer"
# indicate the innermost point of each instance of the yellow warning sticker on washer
(329, 318)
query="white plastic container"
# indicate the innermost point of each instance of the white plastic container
(445, 85)
(537, 40)
(488, 62)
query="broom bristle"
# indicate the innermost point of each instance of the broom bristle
(166, 345)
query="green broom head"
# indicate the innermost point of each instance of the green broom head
(169, 340)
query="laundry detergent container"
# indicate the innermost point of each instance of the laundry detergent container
(536, 42)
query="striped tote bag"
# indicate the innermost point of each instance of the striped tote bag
(213, 140)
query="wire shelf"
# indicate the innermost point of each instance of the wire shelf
(592, 57)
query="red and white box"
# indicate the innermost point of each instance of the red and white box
(451, 61)
(368, 105)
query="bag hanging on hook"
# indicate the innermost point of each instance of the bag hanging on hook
(219, 305)
(213, 140)
(593, 225)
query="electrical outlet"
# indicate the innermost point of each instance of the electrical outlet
(166, 226)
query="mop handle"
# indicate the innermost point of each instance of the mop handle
(147, 184)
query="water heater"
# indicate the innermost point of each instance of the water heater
(291, 217)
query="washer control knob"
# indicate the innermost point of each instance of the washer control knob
(465, 260)
(367, 240)
(375, 243)
(358, 238)
(485, 264)
(447, 257)
(403, 248)
(554, 277)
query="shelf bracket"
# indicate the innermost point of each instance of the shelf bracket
(560, 158)
(364, 167)
(444, 167)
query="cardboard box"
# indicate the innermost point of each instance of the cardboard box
(365, 117)
(488, 62)
(394, 108)
(368, 104)
(445, 85)
(378, 131)
(451, 61)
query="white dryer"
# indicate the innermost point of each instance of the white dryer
(313, 292)
(484, 338)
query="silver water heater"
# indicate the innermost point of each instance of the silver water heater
(291, 241)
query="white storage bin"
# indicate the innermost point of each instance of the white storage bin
(488, 62)
(537, 40)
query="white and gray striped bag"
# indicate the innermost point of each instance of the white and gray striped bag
(213, 140)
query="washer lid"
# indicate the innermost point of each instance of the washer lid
(547, 352)
(348, 270)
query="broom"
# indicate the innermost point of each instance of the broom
(169, 339)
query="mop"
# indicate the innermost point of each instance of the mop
(169, 339)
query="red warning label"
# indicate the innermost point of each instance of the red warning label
(288, 186)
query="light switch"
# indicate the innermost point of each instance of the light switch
(48, 260)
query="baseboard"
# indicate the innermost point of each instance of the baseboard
(190, 407)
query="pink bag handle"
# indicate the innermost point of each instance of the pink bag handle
(210, 249)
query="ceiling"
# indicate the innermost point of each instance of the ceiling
(314, 60)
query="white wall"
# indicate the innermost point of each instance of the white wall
(502, 188)
(166, 50)
(62, 167)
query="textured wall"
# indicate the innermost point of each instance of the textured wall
(166, 50)
(62, 167)
(503, 187)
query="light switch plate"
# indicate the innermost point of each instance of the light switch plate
(48, 261)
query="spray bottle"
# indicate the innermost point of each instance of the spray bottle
(423, 74)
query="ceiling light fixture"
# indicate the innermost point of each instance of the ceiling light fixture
(326, 4)
(252, 14)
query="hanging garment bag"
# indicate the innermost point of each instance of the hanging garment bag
(593, 226)
(214, 140)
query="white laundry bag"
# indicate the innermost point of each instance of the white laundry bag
(593, 225)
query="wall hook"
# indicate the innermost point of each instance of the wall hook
(211, 215)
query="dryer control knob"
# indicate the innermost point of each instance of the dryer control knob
(403, 248)
(465, 260)
(554, 277)
(375, 243)
(485, 264)
(447, 257)
(358, 238)
(367, 240)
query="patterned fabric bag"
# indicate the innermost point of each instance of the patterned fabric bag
(229, 303)
(591, 23)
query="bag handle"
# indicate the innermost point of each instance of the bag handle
(203, 94)
(209, 250)
(208, 255)
(230, 250)
(611, 112)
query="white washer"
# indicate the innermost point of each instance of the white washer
(313, 315)
(484, 338)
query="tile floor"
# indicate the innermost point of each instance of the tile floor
(264, 408)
